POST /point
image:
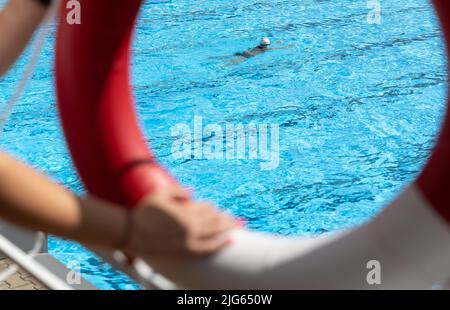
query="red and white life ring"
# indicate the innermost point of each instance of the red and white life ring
(410, 238)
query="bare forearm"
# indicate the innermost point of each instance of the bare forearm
(18, 21)
(31, 200)
(188, 229)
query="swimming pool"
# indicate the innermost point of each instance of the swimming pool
(357, 107)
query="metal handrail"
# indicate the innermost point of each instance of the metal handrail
(22, 259)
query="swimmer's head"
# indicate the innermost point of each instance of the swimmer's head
(265, 42)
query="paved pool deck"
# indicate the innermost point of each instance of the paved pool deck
(21, 280)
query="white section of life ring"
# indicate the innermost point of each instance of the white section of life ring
(409, 239)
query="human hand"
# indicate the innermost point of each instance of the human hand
(168, 223)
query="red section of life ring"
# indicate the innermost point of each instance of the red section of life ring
(97, 106)
(435, 178)
(97, 109)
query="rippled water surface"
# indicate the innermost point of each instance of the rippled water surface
(358, 107)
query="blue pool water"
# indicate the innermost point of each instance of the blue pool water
(358, 107)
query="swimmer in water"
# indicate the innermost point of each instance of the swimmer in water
(263, 47)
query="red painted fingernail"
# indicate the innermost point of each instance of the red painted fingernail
(229, 241)
(241, 222)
